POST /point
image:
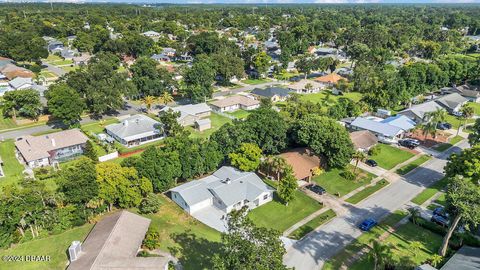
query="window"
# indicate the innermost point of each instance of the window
(265, 196)
(175, 196)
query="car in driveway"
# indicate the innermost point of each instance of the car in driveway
(444, 126)
(409, 143)
(316, 189)
(367, 224)
(440, 220)
(371, 163)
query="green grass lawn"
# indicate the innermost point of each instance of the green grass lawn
(256, 81)
(430, 191)
(47, 74)
(444, 146)
(441, 199)
(359, 196)
(321, 97)
(312, 224)
(412, 165)
(402, 250)
(358, 244)
(276, 215)
(54, 246)
(98, 126)
(334, 183)
(52, 58)
(217, 121)
(389, 156)
(239, 114)
(11, 167)
(6, 122)
(62, 62)
(457, 122)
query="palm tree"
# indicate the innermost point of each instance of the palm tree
(377, 253)
(414, 213)
(358, 156)
(278, 165)
(415, 247)
(429, 128)
(466, 112)
(165, 98)
(148, 101)
(436, 260)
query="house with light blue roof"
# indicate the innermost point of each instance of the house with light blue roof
(385, 132)
(400, 121)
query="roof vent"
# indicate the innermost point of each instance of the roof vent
(227, 181)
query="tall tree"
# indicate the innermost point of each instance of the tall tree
(151, 80)
(474, 137)
(287, 186)
(247, 157)
(65, 104)
(22, 102)
(78, 181)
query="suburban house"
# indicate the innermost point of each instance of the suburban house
(114, 243)
(38, 151)
(385, 132)
(170, 52)
(303, 162)
(452, 102)
(419, 112)
(136, 130)
(152, 34)
(161, 58)
(274, 94)
(233, 103)
(466, 258)
(10, 71)
(225, 190)
(363, 140)
(400, 121)
(467, 91)
(305, 86)
(330, 79)
(192, 115)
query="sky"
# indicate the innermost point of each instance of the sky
(259, 1)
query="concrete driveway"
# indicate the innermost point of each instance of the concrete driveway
(312, 251)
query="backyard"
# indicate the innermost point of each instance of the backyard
(334, 183)
(388, 156)
(217, 122)
(326, 97)
(11, 167)
(275, 215)
(239, 114)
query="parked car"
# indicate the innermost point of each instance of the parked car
(316, 189)
(444, 126)
(367, 224)
(371, 163)
(442, 221)
(409, 143)
(440, 211)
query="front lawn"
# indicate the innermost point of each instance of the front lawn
(389, 156)
(275, 215)
(457, 122)
(430, 191)
(217, 121)
(256, 81)
(11, 167)
(6, 122)
(412, 165)
(239, 114)
(312, 224)
(334, 183)
(55, 246)
(402, 251)
(361, 195)
(444, 146)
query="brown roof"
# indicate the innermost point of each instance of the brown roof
(302, 162)
(37, 147)
(363, 139)
(114, 243)
(330, 78)
(12, 71)
(234, 100)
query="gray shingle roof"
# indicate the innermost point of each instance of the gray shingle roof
(451, 101)
(135, 127)
(421, 109)
(19, 82)
(376, 127)
(466, 258)
(271, 91)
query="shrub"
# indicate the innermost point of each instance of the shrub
(374, 150)
(152, 239)
(349, 175)
(150, 204)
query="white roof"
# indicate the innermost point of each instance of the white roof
(135, 127)
(19, 82)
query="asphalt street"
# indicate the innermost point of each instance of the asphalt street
(312, 251)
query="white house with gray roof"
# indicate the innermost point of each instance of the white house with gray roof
(136, 130)
(192, 115)
(223, 191)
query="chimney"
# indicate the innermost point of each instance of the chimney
(53, 142)
(74, 250)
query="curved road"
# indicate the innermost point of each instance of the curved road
(312, 251)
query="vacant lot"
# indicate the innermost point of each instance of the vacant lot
(334, 183)
(11, 167)
(389, 156)
(276, 215)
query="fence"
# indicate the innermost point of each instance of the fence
(108, 156)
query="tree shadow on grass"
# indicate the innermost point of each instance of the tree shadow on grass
(195, 252)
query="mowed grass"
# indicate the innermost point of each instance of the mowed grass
(457, 122)
(185, 237)
(239, 114)
(414, 164)
(389, 156)
(444, 146)
(362, 194)
(430, 191)
(401, 247)
(98, 126)
(256, 81)
(11, 167)
(333, 182)
(55, 246)
(6, 122)
(312, 224)
(326, 97)
(217, 122)
(275, 215)
(358, 244)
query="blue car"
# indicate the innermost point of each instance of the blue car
(367, 224)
